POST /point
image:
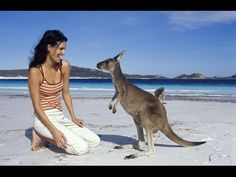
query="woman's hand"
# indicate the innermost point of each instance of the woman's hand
(60, 139)
(79, 122)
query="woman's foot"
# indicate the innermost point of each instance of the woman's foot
(39, 142)
(36, 141)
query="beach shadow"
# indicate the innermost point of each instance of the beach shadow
(28, 133)
(122, 140)
(51, 146)
(117, 139)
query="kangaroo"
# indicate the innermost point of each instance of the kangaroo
(159, 93)
(146, 109)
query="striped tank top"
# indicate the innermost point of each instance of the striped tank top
(50, 94)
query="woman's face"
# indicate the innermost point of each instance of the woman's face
(56, 52)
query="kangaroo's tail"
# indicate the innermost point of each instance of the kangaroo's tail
(166, 130)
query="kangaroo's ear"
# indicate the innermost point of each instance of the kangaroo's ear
(119, 56)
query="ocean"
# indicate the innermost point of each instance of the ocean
(209, 90)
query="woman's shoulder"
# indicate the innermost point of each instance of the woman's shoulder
(34, 70)
(34, 73)
(65, 63)
(65, 66)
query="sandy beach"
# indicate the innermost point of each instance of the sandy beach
(214, 122)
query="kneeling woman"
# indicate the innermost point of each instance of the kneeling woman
(48, 78)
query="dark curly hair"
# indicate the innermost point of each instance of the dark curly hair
(52, 37)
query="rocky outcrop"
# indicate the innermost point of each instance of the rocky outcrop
(191, 76)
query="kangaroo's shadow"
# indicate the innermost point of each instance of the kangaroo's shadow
(122, 140)
(51, 146)
(117, 139)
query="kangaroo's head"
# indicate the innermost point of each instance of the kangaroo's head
(110, 63)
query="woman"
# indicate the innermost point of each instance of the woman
(48, 77)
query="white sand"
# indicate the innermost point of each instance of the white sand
(195, 121)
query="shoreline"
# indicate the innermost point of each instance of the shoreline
(168, 98)
(131, 78)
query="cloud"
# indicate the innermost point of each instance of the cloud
(182, 21)
(133, 19)
(129, 21)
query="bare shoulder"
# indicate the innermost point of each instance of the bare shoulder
(34, 71)
(65, 63)
(34, 74)
(65, 66)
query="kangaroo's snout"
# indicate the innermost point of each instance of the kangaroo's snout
(107, 65)
(103, 65)
(99, 65)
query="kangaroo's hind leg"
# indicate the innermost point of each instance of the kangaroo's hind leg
(150, 150)
(141, 141)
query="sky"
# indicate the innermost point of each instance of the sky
(167, 43)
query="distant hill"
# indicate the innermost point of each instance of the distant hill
(230, 77)
(14, 73)
(191, 76)
(75, 72)
(234, 76)
(79, 72)
(95, 73)
(136, 76)
(86, 72)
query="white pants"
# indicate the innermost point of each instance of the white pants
(78, 139)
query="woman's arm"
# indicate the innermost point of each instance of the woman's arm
(34, 80)
(66, 93)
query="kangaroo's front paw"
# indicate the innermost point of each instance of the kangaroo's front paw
(114, 110)
(110, 106)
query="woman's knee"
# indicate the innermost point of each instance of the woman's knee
(95, 142)
(77, 149)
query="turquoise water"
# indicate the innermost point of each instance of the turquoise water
(207, 89)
